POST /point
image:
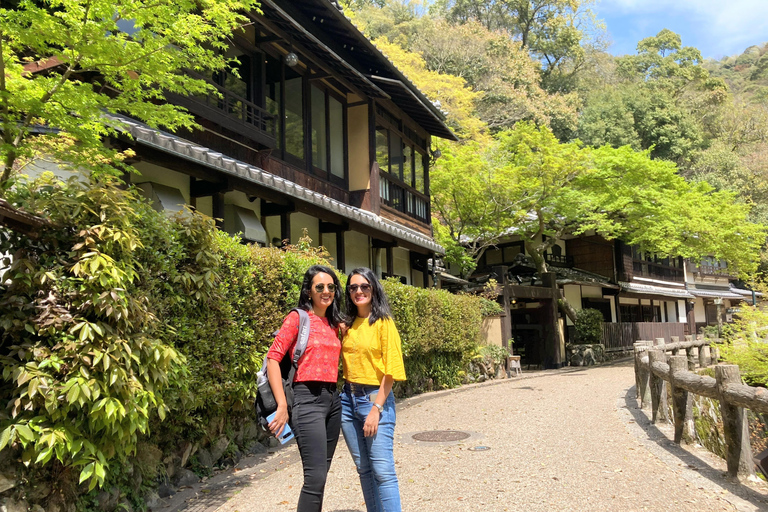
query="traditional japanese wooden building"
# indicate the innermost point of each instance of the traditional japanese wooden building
(320, 131)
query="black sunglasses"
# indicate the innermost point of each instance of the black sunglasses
(320, 287)
(365, 288)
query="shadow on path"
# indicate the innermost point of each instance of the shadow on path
(693, 467)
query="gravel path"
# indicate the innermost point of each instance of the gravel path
(558, 440)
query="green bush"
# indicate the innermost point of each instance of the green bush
(440, 333)
(746, 344)
(589, 326)
(122, 325)
(83, 367)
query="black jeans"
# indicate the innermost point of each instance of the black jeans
(316, 420)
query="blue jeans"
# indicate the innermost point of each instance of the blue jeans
(373, 456)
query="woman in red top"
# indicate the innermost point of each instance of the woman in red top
(316, 413)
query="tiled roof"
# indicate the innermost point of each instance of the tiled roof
(723, 294)
(648, 289)
(187, 150)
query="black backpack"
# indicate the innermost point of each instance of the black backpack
(265, 399)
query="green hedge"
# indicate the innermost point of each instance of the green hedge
(440, 333)
(121, 324)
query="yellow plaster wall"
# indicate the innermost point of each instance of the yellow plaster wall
(356, 250)
(402, 265)
(490, 330)
(299, 221)
(359, 164)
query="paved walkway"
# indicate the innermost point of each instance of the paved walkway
(569, 439)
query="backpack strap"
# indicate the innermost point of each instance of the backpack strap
(302, 340)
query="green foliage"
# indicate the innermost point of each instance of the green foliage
(747, 344)
(589, 326)
(83, 367)
(555, 32)
(490, 308)
(493, 353)
(439, 331)
(134, 50)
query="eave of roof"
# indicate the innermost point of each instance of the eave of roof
(182, 148)
(721, 294)
(647, 289)
(338, 35)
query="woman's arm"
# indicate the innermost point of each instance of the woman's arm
(371, 425)
(276, 383)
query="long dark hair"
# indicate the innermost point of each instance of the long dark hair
(379, 304)
(333, 313)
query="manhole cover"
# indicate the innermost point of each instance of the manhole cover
(440, 436)
(480, 448)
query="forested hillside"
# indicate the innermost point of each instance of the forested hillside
(491, 64)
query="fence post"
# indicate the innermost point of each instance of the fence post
(645, 386)
(738, 453)
(715, 353)
(639, 347)
(678, 364)
(675, 339)
(691, 358)
(704, 358)
(657, 385)
(663, 405)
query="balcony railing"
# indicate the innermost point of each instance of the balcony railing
(647, 269)
(562, 261)
(714, 270)
(233, 112)
(402, 199)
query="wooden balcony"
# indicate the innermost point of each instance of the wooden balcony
(714, 270)
(403, 198)
(232, 112)
(562, 261)
(644, 268)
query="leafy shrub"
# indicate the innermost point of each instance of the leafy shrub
(494, 353)
(119, 321)
(746, 344)
(589, 326)
(83, 369)
(440, 332)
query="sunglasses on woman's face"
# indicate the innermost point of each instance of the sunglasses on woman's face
(365, 288)
(320, 287)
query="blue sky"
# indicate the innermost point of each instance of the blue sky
(717, 28)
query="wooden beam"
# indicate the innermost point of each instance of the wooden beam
(383, 244)
(272, 209)
(202, 188)
(329, 227)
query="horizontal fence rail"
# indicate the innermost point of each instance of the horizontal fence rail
(655, 368)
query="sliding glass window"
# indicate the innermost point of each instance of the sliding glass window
(327, 134)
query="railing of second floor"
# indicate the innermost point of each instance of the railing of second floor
(403, 199)
(556, 260)
(233, 109)
(648, 269)
(714, 270)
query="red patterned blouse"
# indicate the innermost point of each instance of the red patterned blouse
(320, 362)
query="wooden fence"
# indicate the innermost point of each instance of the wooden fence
(624, 334)
(654, 368)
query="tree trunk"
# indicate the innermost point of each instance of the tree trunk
(537, 255)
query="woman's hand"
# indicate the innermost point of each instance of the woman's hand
(343, 328)
(371, 425)
(278, 422)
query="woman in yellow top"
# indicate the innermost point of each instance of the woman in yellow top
(373, 360)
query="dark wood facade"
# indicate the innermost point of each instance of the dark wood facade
(592, 253)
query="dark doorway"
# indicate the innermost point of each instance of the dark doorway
(527, 317)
